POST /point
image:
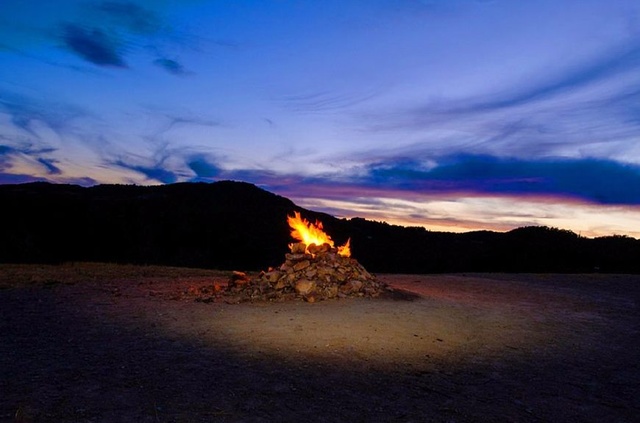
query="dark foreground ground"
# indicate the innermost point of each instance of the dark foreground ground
(106, 343)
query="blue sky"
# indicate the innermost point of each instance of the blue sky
(454, 115)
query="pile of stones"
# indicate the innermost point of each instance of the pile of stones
(312, 273)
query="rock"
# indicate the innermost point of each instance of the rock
(331, 291)
(340, 277)
(304, 287)
(301, 265)
(272, 276)
(238, 279)
(356, 285)
(286, 268)
(317, 249)
(298, 248)
(296, 257)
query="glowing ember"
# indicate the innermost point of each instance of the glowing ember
(308, 233)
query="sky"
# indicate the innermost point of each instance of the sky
(454, 115)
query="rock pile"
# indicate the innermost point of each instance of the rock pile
(310, 273)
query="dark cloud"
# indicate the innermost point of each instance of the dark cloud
(156, 172)
(20, 178)
(131, 21)
(93, 45)
(84, 181)
(171, 66)
(8, 153)
(5, 149)
(52, 169)
(599, 181)
(208, 169)
(5, 156)
(10, 178)
(203, 168)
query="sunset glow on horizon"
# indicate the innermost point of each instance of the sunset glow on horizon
(453, 115)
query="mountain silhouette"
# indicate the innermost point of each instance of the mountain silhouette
(236, 225)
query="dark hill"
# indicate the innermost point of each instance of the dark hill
(225, 224)
(236, 225)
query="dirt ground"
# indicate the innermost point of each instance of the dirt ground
(107, 343)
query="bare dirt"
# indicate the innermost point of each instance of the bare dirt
(106, 343)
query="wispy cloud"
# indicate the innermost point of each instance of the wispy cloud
(13, 152)
(586, 109)
(614, 62)
(15, 160)
(325, 101)
(24, 111)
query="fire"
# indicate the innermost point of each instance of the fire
(308, 233)
(345, 250)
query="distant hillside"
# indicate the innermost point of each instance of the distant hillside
(236, 225)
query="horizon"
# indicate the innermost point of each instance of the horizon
(456, 116)
(333, 215)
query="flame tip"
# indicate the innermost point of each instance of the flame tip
(309, 233)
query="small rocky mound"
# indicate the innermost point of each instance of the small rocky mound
(311, 273)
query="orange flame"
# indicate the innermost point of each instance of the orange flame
(308, 233)
(345, 250)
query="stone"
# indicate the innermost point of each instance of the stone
(331, 291)
(238, 279)
(304, 287)
(298, 248)
(296, 257)
(301, 265)
(340, 277)
(318, 249)
(272, 276)
(351, 286)
(280, 284)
